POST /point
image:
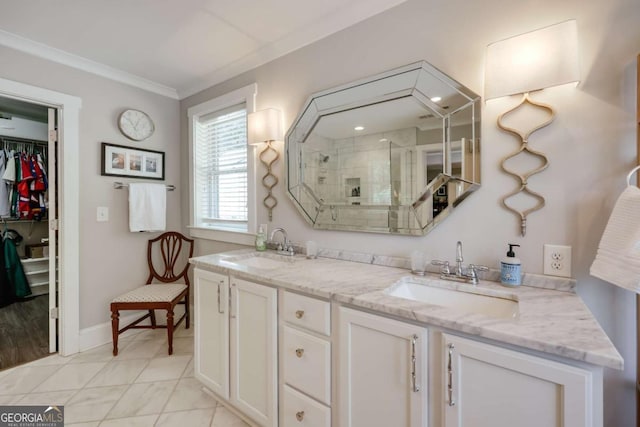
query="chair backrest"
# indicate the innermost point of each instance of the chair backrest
(167, 250)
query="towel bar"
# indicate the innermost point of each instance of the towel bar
(119, 185)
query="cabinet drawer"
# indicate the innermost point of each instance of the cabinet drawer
(299, 410)
(306, 312)
(307, 364)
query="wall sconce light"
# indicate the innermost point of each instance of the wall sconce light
(522, 64)
(265, 126)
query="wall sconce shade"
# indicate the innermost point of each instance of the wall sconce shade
(531, 61)
(265, 126)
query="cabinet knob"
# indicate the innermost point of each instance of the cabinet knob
(299, 352)
(299, 314)
(300, 415)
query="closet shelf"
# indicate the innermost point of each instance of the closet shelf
(34, 284)
(34, 260)
(37, 272)
(10, 220)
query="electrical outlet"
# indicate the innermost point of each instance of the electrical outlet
(557, 260)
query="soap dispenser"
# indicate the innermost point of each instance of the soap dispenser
(511, 268)
(261, 239)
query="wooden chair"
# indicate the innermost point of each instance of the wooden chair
(173, 290)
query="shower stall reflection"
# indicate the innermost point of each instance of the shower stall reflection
(387, 173)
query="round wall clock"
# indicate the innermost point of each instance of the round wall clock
(135, 125)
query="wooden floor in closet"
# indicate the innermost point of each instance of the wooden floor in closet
(24, 334)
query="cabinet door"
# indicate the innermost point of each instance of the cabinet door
(254, 351)
(378, 360)
(211, 355)
(488, 386)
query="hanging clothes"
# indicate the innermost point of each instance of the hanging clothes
(13, 265)
(27, 174)
(38, 188)
(24, 183)
(26, 177)
(9, 178)
(7, 292)
(4, 186)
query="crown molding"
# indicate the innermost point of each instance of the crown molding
(337, 21)
(44, 51)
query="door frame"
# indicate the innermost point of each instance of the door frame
(68, 107)
(52, 180)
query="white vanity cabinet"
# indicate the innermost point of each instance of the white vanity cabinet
(236, 343)
(489, 386)
(211, 329)
(382, 378)
(305, 357)
(282, 358)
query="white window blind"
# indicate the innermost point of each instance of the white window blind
(221, 168)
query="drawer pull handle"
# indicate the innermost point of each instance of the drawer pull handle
(299, 352)
(300, 416)
(299, 314)
(415, 385)
(450, 376)
(220, 309)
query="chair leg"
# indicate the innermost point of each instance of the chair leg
(170, 329)
(187, 311)
(152, 316)
(115, 320)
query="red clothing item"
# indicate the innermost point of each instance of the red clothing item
(39, 183)
(24, 200)
(26, 169)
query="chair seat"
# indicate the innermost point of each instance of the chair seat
(153, 293)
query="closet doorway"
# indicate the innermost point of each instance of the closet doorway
(28, 245)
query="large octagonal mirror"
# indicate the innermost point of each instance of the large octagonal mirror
(393, 153)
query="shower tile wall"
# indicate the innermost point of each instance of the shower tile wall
(377, 165)
(368, 158)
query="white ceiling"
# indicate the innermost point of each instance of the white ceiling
(174, 47)
(397, 114)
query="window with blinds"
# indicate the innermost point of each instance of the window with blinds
(220, 162)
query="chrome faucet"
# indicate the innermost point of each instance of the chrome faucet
(284, 248)
(461, 274)
(459, 258)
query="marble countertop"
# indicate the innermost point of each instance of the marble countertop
(552, 321)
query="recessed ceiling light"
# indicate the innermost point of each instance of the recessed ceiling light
(358, 128)
(383, 140)
(436, 99)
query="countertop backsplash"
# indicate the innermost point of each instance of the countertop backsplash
(493, 275)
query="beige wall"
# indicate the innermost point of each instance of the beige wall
(112, 259)
(590, 145)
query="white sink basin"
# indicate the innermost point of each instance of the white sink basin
(263, 261)
(495, 304)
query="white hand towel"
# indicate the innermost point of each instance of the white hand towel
(618, 258)
(147, 207)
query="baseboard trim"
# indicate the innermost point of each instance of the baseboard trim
(95, 336)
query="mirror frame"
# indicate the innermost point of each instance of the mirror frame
(384, 87)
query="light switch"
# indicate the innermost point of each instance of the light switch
(102, 214)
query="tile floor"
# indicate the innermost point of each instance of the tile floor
(140, 387)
